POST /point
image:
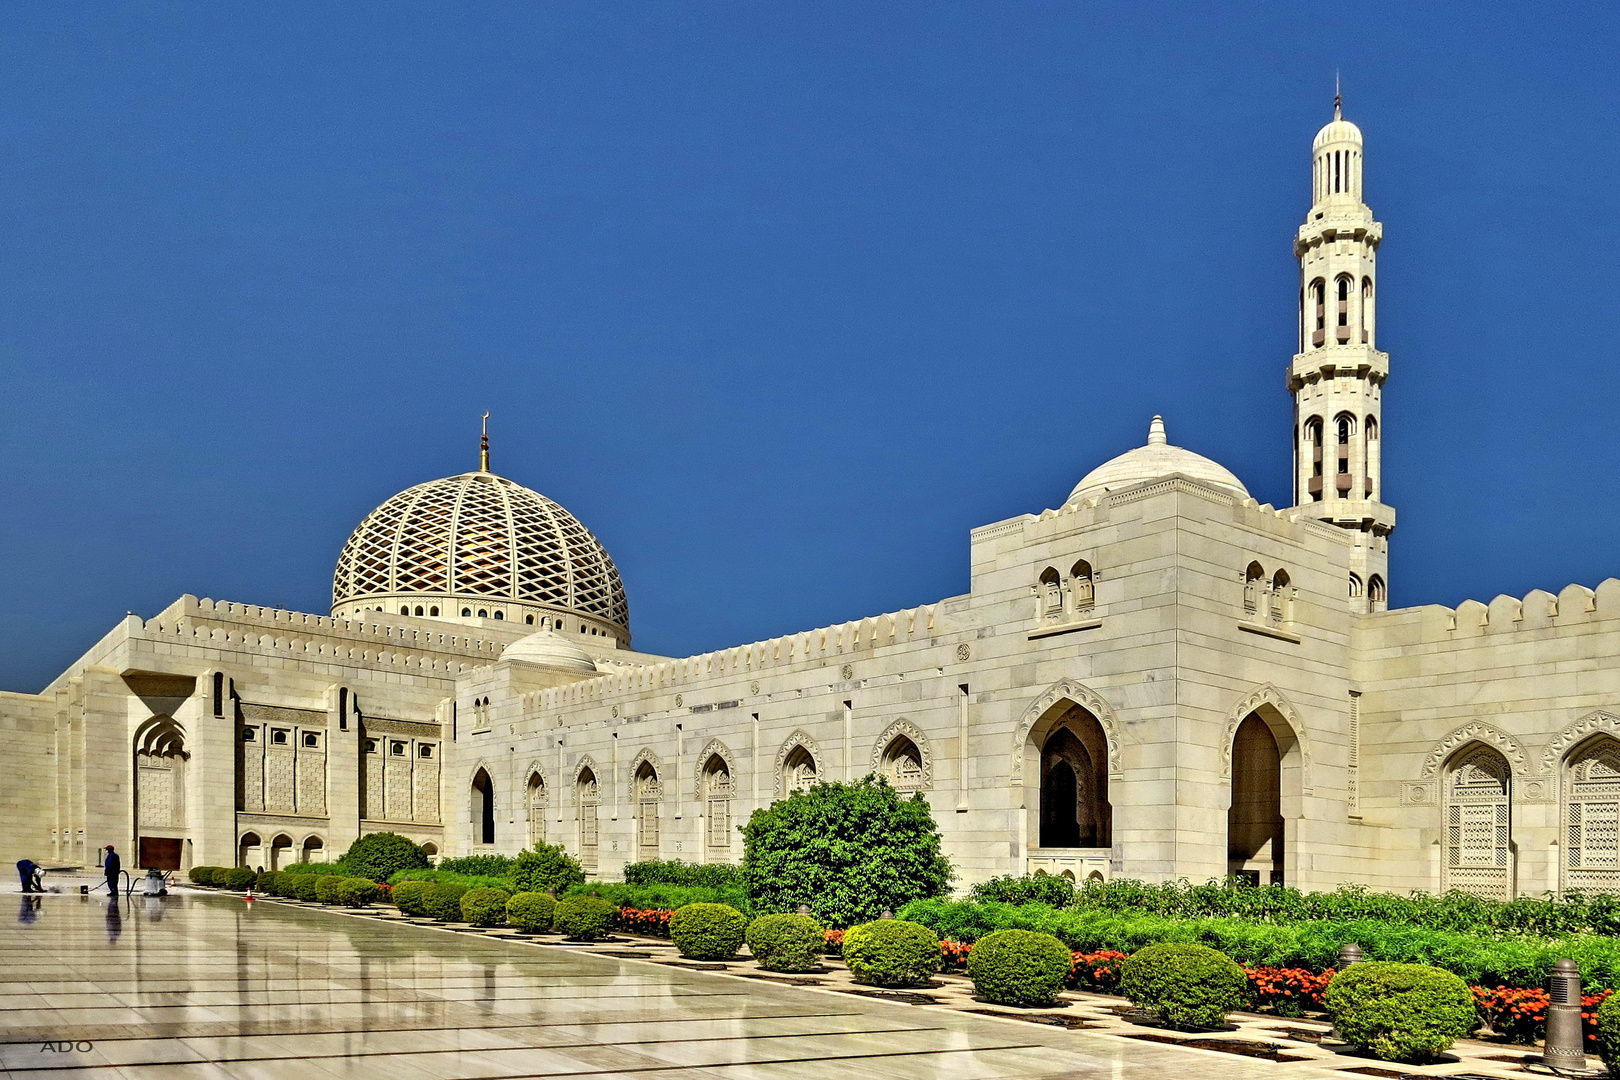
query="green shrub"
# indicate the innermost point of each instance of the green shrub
(850, 851)
(1401, 1012)
(786, 942)
(661, 897)
(1019, 967)
(1607, 1024)
(676, 872)
(447, 877)
(326, 888)
(530, 912)
(1028, 889)
(264, 883)
(1185, 985)
(484, 907)
(238, 878)
(443, 901)
(303, 886)
(410, 897)
(584, 918)
(203, 875)
(707, 931)
(357, 891)
(891, 952)
(380, 854)
(546, 868)
(496, 866)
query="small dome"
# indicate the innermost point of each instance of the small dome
(1338, 130)
(1158, 458)
(550, 649)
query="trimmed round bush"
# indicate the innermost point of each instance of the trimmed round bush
(1019, 967)
(443, 901)
(203, 875)
(484, 907)
(707, 931)
(584, 918)
(409, 896)
(265, 883)
(357, 891)
(239, 878)
(546, 867)
(1401, 1012)
(1608, 1032)
(303, 886)
(326, 888)
(530, 912)
(891, 952)
(379, 855)
(787, 943)
(1185, 985)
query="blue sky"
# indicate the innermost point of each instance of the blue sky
(779, 299)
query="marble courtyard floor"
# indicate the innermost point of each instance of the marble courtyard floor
(197, 987)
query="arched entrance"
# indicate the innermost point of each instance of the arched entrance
(1256, 840)
(483, 808)
(1069, 819)
(249, 850)
(280, 847)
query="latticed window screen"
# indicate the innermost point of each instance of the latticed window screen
(482, 536)
(1477, 825)
(1592, 815)
(719, 789)
(902, 761)
(537, 809)
(586, 796)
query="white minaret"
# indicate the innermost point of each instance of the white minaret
(1337, 377)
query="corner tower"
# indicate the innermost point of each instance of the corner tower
(1337, 377)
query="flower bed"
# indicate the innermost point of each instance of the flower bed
(654, 922)
(1520, 1015)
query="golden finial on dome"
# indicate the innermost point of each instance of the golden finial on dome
(483, 447)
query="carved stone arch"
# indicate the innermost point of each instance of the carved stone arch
(715, 746)
(645, 755)
(1576, 733)
(918, 739)
(797, 739)
(1472, 732)
(529, 772)
(1076, 693)
(586, 762)
(160, 736)
(1255, 700)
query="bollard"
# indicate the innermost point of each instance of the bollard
(1350, 954)
(804, 909)
(1565, 1048)
(885, 914)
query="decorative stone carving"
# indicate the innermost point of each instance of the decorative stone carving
(1419, 794)
(847, 672)
(919, 740)
(1475, 731)
(715, 746)
(1590, 724)
(1079, 694)
(964, 653)
(645, 754)
(797, 739)
(1255, 699)
(592, 791)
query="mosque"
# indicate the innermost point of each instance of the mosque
(1160, 678)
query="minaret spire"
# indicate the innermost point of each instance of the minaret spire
(1338, 99)
(483, 447)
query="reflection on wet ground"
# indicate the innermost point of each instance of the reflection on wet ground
(199, 987)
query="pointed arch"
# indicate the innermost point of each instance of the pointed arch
(795, 741)
(1567, 739)
(905, 729)
(645, 756)
(1486, 735)
(713, 748)
(1256, 701)
(161, 736)
(1076, 693)
(586, 771)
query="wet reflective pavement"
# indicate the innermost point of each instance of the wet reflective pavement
(203, 987)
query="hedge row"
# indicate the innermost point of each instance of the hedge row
(691, 875)
(1313, 946)
(1573, 913)
(665, 897)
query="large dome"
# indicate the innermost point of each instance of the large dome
(1158, 458)
(478, 546)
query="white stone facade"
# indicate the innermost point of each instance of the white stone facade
(1159, 679)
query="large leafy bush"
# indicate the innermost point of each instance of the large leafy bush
(1028, 889)
(484, 907)
(707, 931)
(203, 875)
(530, 912)
(891, 952)
(584, 918)
(443, 902)
(411, 897)
(303, 886)
(676, 872)
(238, 878)
(1185, 985)
(380, 855)
(358, 891)
(326, 888)
(546, 868)
(788, 943)
(850, 851)
(1019, 967)
(1401, 1012)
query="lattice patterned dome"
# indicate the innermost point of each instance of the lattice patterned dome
(478, 546)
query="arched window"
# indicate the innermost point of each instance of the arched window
(528, 620)
(648, 793)
(466, 613)
(1366, 311)
(717, 793)
(431, 850)
(1356, 587)
(1280, 603)
(1477, 823)
(419, 609)
(586, 797)
(1081, 586)
(248, 850)
(1075, 812)
(160, 775)
(1376, 598)
(434, 611)
(1318, 298)
(1344, 430)
(1253, 583)
(1370, 454)
(1051, 595)
(1344, 287)
(404, 609)
(483, 808)
(1313, 438)
(483, 613)
(314, 850)
(537, 803)
(798, 770)
(902, 764)
(500, 615)
(279, 849)
(1592, 816)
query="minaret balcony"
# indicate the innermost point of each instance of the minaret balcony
(1318, 338)
(1344, 482)
(1314, 486)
